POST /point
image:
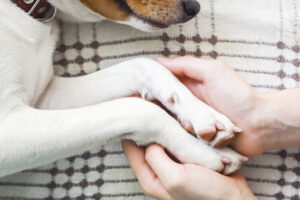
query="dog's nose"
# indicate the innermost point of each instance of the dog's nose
(191, 7)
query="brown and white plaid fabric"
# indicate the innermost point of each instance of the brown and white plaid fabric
(258, 38)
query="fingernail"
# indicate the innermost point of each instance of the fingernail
(244, 159)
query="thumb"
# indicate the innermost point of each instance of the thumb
(162, 165)
(191, 67)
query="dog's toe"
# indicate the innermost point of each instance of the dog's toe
(231, 159)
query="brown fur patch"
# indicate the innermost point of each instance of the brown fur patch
(107, 8)
(157, 12)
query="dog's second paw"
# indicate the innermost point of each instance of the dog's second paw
(231, 159)
(187, 149)
(223, 160)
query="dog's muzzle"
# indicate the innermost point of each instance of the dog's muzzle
(39, 9)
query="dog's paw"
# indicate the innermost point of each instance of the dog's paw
(231, 159)
(187, 149)
(199, 153)
(223, 160)
(194, 115)
(208, 124)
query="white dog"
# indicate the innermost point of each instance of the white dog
(44, 118)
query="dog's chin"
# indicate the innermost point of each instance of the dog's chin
(143, 25)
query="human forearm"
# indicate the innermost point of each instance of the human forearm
(278, 119)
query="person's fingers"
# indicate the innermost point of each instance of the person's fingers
(239, 179)
(169, 172)
(197, 88)
(150, 184)
(191, 67)
(241, 144)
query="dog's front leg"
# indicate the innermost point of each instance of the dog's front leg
(143, 76)
(30, 137)
(147, 78)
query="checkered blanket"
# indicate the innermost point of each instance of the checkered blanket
(258, 38)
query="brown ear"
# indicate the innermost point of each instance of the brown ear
(107, 8)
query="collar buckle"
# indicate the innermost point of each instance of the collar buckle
(50, 15)
(39, 9)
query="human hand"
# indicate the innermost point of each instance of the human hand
(162, 178)
(222, 88)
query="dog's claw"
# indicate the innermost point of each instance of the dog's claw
(221, 169)
(235, 160)
(149, 99)
(146, 96)
(220, 126)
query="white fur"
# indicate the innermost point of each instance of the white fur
(44, 118)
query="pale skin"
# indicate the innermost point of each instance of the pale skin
(269, 121)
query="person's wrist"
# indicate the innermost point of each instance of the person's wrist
(258, 117)
(262, 121)
(250, 115)
(277, 118)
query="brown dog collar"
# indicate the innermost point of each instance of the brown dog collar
(39, 9)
